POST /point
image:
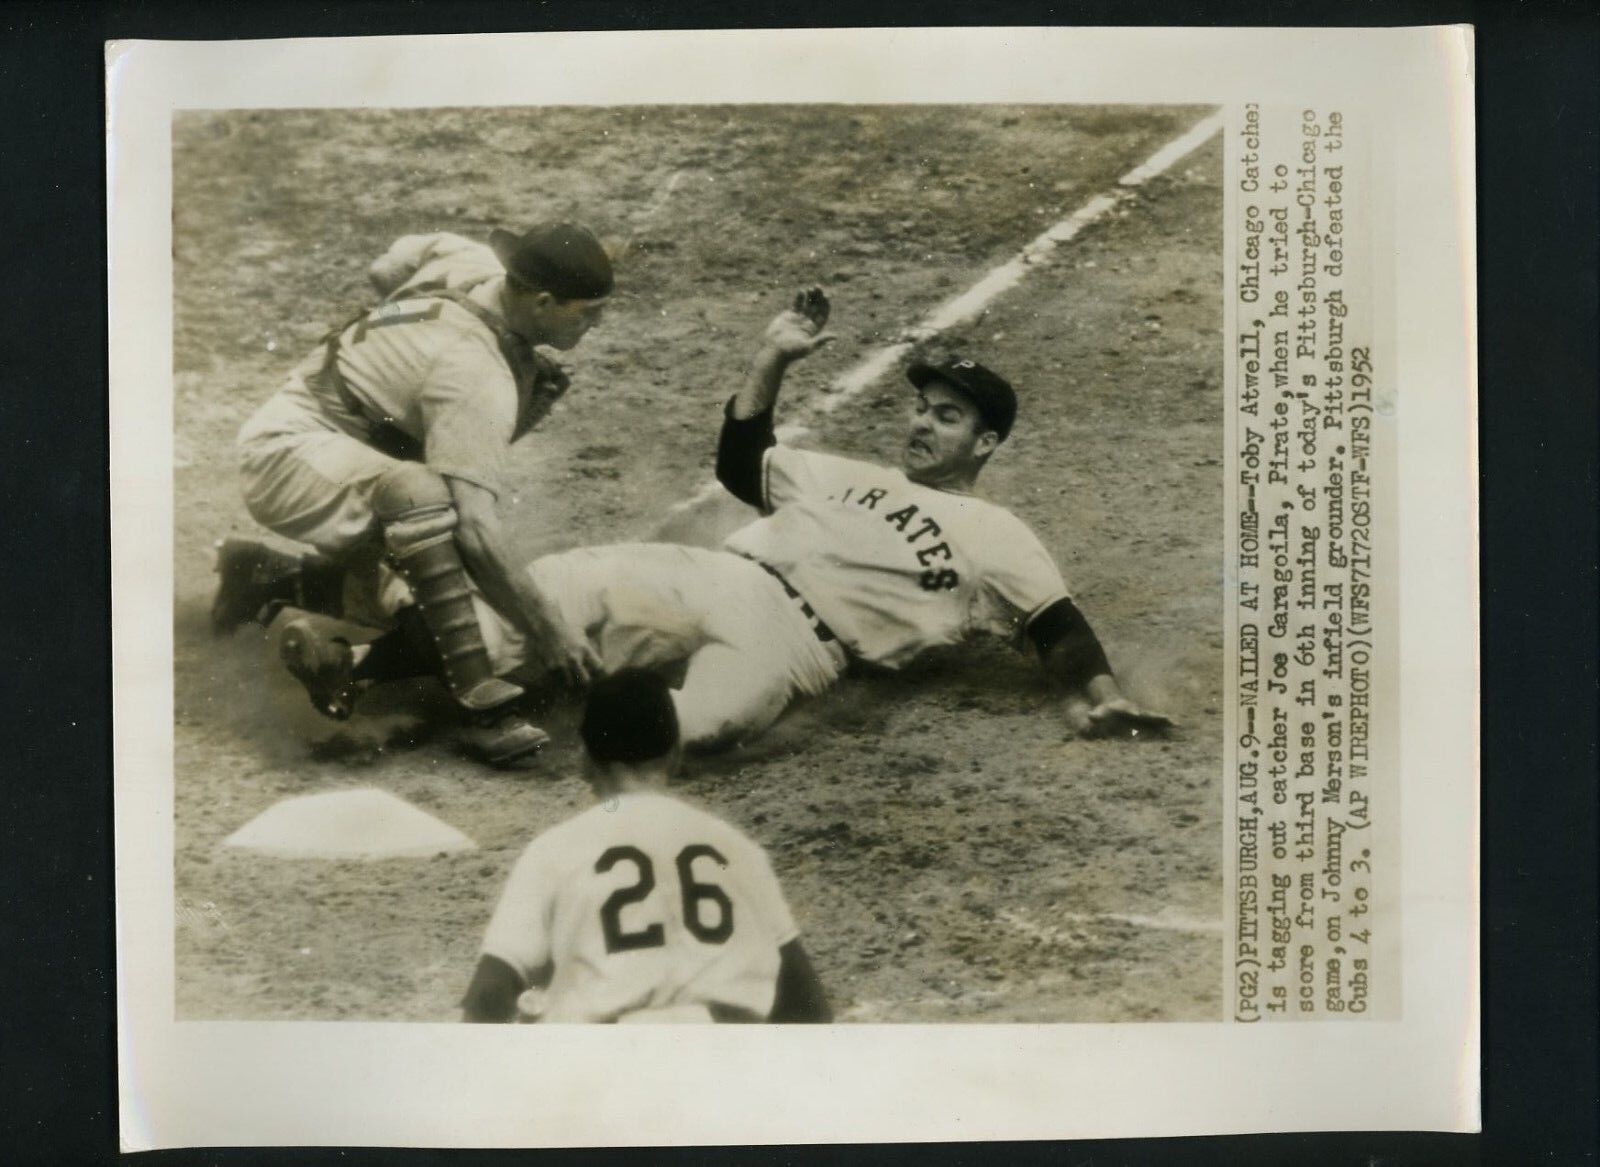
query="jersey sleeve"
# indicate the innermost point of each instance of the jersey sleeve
(519, 930)
(1020, 576)
(788, 474)
(469, 413)
(408, 254)
(741, 454)
(776, 918)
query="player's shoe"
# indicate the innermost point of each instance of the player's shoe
(505, 740)
(250, 577)
(324, 664)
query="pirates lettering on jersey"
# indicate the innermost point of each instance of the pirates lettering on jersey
(902, 519)
(891, 566)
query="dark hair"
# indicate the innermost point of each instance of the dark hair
(629, 717)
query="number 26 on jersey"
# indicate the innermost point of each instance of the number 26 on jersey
(707, 910)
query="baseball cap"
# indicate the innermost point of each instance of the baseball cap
(563, 259)
(629, 718)
(988, 391)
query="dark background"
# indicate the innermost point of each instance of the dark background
(1537, 122)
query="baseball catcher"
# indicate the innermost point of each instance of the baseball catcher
(385, 452)
(848, 561)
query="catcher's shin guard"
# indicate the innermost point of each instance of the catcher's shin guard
(419, 529)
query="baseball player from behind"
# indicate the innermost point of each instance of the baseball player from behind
(642, 908)
(850, 560)
(385, 451)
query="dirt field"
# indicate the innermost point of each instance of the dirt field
(950, 851)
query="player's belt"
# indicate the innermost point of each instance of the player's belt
(818, 624)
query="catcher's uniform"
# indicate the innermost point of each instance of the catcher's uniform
(643, 904)
(851, 559)
(430, 375)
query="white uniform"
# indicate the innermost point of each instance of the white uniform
(894, 567)
(883, 568)
(643, 903)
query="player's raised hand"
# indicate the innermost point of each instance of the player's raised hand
(797, 331)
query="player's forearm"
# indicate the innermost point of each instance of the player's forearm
(528, 608)
(1071, 653)
(741, 450)
(1102, 688)
(1079, 665)
(508, 589)
(760, 390)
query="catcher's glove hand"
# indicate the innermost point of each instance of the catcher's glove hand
(550, 377)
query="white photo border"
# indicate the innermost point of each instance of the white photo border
(301, 1083)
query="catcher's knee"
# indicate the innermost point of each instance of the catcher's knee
(414, 507)
(408, 486)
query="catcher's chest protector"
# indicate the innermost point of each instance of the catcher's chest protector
(540, 382)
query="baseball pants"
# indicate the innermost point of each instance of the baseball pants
(315, 485)
(749, 648)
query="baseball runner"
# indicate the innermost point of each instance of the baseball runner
(849, 560)
(642, 908)
(385, 451)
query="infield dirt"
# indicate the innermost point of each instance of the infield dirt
(950, 851)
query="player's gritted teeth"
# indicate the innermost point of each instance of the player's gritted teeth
(945, 441)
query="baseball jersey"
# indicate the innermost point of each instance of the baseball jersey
(894, 567)
(643, 902)
(423, 365)
(439, 260)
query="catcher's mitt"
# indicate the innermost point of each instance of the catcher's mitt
(550, 379)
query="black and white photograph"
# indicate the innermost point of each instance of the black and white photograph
(895, 576)
(843, 480)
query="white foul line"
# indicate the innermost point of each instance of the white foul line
(968, 304)
(1057, 933)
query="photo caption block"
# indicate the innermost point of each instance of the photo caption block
(1309, 563)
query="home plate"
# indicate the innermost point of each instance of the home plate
(347, 824)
